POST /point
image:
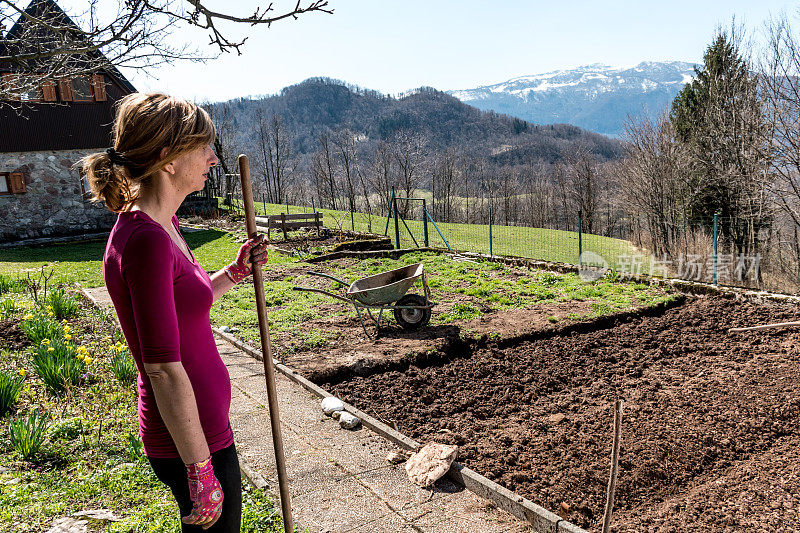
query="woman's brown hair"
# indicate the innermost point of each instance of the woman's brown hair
(145, 124)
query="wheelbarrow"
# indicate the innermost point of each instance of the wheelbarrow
(383, 291)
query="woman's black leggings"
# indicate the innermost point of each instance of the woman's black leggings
(172, 472)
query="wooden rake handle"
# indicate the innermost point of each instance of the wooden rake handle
(266, 349)
(765, 326)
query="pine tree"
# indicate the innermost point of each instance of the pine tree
(720, 116)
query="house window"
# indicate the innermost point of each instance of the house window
(30, 92)
(12, 183)
(86, 190)
(82, 89)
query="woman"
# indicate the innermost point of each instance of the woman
(163, 299)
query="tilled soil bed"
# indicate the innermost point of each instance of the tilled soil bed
(710, 419)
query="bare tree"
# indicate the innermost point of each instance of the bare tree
(224, 145)
(443, 183)
(654, 174)
(407, 150)
(54, 45)
(344, 144)
(323, 171)
(781, 87)
(276, 154)
(381, 175)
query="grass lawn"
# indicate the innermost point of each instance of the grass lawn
(477, 288)
(82, 262)
(535, 243)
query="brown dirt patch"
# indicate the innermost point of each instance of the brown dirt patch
(11, 336)
(710, 421)
(349, 352)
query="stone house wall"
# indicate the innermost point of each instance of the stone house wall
(53, 204)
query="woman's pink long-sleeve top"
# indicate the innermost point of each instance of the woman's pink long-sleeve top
(163, 301)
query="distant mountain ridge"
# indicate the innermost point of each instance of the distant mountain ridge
(320, 105)
(595, 97)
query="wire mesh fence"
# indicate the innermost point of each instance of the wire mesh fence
(704, 252)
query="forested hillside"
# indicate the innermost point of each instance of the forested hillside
(319, 105)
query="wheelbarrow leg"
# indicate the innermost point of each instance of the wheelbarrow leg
(363, 325)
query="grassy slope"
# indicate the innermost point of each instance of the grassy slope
(536, 243)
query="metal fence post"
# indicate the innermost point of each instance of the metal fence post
(716, 226)
(287, 204)
(491, 251)
(313, 205)
(425, 221)
(580, 236)
(264, 201)
(396, 221)
(352, 219)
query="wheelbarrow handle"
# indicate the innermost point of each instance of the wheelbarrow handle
(321, 291)
(322, 274)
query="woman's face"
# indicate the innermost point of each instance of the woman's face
(191, 168)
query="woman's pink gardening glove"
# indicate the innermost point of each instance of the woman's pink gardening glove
(206, 494)
(253, 251)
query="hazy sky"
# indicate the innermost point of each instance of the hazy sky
(394, 46)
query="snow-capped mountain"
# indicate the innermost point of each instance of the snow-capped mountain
(595, 97)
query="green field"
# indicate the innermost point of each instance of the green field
(534, 243)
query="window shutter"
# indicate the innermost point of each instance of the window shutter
(17, 182)
(65, 89)
(49, 91)
(99, 88)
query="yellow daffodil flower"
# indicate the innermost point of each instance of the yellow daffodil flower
(46, 341)
(67, 336)
(51, 349)
(28, 316)
(21, 372)
(67, 329)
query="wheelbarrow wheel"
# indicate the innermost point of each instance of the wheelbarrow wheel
(412, 318)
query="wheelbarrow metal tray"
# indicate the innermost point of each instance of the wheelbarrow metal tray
(386, 287)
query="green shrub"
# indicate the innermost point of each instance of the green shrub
(10, 385)
(549, 278)
(68, 429)
(8, 307)
(135, 445)
(122, 365)
(39, 326)
(28, 433)
(61, 304)
(59, 364)
(6, 284)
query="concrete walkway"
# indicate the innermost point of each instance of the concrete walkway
(340, 480)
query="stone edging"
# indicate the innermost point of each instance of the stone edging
(543, 521)
(250, 474)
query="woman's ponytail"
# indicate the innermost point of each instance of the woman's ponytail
(108, 181)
